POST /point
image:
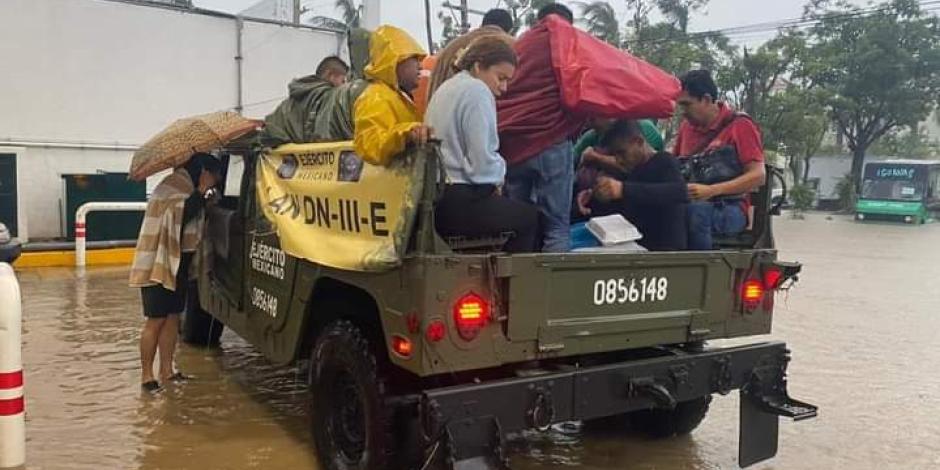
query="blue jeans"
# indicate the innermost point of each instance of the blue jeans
(714, 217)
(546, 180)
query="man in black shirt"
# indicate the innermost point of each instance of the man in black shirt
(652, 195)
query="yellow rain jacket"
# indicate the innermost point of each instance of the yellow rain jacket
(384, 114)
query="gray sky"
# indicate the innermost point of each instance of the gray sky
(409, 14)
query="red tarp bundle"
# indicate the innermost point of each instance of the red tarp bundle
(598, 79)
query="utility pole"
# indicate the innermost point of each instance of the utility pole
(465, 12)
(295, 17)
(464, 17)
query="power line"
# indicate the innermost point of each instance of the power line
(773, 26)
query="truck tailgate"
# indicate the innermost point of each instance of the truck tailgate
(584, 302)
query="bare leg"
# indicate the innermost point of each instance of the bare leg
(167, 340)
(149, 338)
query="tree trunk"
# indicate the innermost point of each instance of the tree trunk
(806, 162)
(858, 162)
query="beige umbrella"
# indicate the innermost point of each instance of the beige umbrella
(175, 145)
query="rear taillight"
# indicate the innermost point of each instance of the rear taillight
(772, 278)
(752, 293)
(436, 331)
(402, 346)
(471, 312)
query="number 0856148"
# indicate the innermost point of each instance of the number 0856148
(630, 291)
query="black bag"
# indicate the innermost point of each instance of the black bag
(716, 166)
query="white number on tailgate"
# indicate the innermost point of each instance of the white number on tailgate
(624, 291)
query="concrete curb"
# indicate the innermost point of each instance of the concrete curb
(66, 258)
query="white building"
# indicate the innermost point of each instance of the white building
(86, 81)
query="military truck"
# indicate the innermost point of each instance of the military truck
(434, 363)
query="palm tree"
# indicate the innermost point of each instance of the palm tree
(349, 11)
(601, 21)
(678, 12)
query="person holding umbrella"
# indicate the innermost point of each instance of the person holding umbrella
(170, 234)
(172, 226)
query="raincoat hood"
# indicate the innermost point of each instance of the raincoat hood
(301, 87)
(388, 47)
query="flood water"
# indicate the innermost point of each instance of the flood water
(863, 324)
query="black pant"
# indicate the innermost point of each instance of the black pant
(467, 210)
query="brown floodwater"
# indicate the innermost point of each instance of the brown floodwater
(863, 324)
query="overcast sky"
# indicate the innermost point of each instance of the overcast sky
(409, 14)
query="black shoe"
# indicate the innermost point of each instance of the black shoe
(152, 387)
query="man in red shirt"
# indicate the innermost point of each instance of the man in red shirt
(708, 124)
(535, 133)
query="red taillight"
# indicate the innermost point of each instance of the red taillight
(470, 314)
(435, 331)
(402, 346)
(772, 278)
(752, 293)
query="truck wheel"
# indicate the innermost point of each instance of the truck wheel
(349, 421)
(658, 423)
(199, 328)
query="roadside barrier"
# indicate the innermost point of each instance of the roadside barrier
(12, 405)
(82, 212)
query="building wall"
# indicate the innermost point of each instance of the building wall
(114, 73)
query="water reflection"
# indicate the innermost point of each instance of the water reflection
(862, 325)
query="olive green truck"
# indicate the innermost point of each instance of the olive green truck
(433, 364)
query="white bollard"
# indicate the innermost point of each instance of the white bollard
(82, 212)
(12, 407)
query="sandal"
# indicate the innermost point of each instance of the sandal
(152, 387)
(180, 377)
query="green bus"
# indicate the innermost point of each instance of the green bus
(900, 190)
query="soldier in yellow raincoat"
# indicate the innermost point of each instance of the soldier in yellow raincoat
(386, 119)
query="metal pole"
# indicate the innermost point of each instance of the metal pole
(12, 405)
(427, 25)
(464, 17)
(239, 63)
(80, 228)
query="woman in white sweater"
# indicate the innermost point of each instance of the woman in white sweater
(462, 113)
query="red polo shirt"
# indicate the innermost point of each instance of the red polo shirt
(742, 133)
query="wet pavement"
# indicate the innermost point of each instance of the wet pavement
(863, 325)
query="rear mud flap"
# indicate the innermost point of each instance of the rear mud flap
(476, 444)
(762, 404)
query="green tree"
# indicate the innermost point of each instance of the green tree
(449, 29)
(795, 123)
(752, 77)
(601, 21)
(678, 12)
(878, 67)
(349, 11)
(907, 143)
(639, 14)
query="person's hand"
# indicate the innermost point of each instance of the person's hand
(588, 156)
(206, 181)
(608, 189)
(701, 192)
(419, 135)
(584, 200)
